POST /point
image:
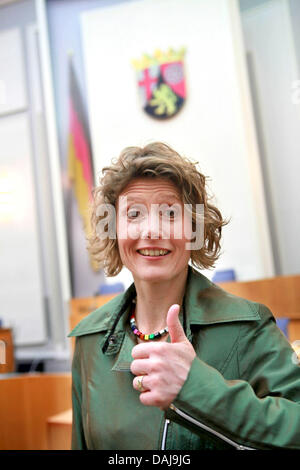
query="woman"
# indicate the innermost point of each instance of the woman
(175, 362)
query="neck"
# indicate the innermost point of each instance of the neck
(154, 300)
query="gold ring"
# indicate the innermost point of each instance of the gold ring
(140, 383)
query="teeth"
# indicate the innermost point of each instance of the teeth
(153, 252)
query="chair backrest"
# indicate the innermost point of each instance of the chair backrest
(281, 294)
(80, 307)
(7, 354)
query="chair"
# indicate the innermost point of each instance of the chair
(281, 294)
(80, 307)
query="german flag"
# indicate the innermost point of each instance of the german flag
(80, 164)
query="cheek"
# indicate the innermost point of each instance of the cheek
(188, 228)
(123, 251)
(133, 231)
(121, 228)
(121, 248)
(184, 233)
(182, 230)
(126, 247)
(127, 230)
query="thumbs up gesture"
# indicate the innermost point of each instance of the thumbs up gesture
(164, 366)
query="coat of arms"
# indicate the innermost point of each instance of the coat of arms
(161, 82)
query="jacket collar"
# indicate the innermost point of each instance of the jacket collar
(205, 303)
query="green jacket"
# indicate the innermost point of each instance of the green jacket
(242, 391)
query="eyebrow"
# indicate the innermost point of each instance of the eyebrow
(167, 196)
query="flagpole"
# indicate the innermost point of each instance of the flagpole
(69, 219)
(69, 199)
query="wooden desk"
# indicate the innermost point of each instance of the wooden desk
(26, 403)
(59, 430)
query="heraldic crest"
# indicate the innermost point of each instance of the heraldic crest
(161, 82)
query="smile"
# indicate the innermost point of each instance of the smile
(153, 253)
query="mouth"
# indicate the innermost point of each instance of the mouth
(158, 253)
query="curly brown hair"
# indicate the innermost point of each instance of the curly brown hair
(155, 160)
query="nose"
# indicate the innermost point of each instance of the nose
(150, 227)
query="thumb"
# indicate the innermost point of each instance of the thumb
(174, 326)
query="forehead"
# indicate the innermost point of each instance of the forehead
(154, 188)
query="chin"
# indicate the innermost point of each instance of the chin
(153, 274)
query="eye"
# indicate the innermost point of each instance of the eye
(133, 213)
(136, 212)
(170, 213)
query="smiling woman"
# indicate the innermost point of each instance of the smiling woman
(175, 362)
(182, 184)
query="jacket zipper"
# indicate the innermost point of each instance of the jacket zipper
(165, 432)
(206, 428)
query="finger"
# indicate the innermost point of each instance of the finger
(145, 383)
(176, 331)
(140, 366)
(141, 351)
(149, 398)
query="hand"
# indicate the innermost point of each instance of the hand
(165, 365)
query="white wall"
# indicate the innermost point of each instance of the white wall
(21, 292)
(215, 127)
(273, 68)
(31, 297)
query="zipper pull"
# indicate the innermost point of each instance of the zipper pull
(165, 432)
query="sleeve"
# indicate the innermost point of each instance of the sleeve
(78, 439)
(260, 410)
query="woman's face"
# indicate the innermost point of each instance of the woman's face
(150, 216)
